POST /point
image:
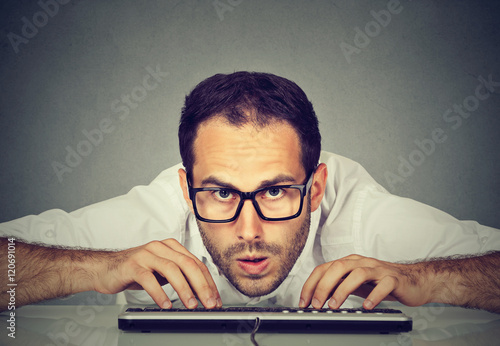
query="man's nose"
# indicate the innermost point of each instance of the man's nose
(249, 224)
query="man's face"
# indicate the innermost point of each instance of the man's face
(255, 255)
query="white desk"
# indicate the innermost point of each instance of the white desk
(97, 325)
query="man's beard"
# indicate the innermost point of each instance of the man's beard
(287, 255)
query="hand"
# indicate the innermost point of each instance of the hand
(154, 264)
(366, 277)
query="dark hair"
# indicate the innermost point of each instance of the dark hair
(270, 97)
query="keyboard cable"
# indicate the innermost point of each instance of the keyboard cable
(254, 331)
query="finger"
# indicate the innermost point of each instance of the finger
(148, 282)
(175, 245)
(181, 249)
(331, 279)
(190, 272)
(213, 287)
(364, 290)
(353, 281)
(155, 260)
(173, 274)
(383, 289)
(310, 285)
(193, 276)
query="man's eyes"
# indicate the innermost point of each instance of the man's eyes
(270, 193)
(223, 194)
(273, 192)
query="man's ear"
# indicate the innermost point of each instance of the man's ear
(318, 186)
(184, 187)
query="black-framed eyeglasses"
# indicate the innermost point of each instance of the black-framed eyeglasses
(273, 203)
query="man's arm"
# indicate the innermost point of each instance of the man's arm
(472, 282)
(43, 272)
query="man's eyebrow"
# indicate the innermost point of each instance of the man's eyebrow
(279, 179)
(211, 180)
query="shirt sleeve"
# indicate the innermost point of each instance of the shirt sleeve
(156, 211)
(393, 228)
(358, 216)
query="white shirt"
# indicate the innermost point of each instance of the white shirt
(356, 216)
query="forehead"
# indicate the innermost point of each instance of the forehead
(246, 155)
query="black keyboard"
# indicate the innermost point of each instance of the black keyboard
(267, 319)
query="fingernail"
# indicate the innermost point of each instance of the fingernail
(192, 303)
(368, 304)
(210, 302)
(219, 303)
(316, 303)
(166, 305)
(302, 303)
(332, 303)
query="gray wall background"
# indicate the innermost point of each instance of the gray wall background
(62, 70)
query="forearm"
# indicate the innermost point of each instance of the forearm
(472, 282)
(38, 273)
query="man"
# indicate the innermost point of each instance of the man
(255, 214)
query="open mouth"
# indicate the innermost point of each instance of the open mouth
(255, 260)
(253, 266)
